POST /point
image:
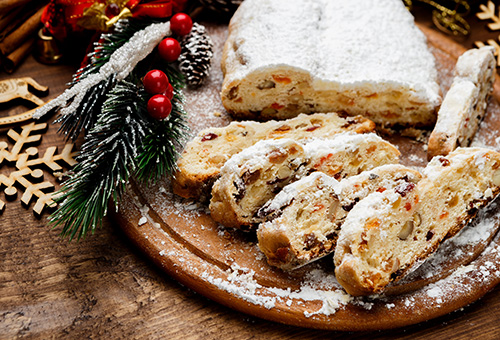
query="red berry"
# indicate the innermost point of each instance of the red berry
(155, 82)
(112, 10)
(181, 24)
(169, 92)
(169, 49)
(159, 107)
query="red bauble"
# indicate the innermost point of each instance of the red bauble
(181, 24)
(169, 92)
(169, 49)
(112, 10)
(155, 82)
(159, 107)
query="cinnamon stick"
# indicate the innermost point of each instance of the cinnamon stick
(12, 61)
(21, 34)
(8, 4)
(7, 17)
(10, 21)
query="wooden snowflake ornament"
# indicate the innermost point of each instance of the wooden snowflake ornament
(488, 13)
(29, 175)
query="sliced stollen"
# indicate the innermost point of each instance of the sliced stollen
(284, 57)
(303, 220)
(387, 233)
(255, 175)
(201, 160)
(465, 104)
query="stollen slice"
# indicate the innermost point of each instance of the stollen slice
(254, 176)
(202, 158)
(387, 233)
(303, 220)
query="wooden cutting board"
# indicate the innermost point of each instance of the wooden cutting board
(226, 265)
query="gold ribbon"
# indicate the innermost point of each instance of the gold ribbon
(448, 20)
(94, 17)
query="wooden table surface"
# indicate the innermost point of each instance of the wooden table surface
(103, 286)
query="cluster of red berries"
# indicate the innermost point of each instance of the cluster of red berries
(156, 82)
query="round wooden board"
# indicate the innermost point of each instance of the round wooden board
(226, 265)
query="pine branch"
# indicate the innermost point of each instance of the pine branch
(159, 153)
(121, 140)
(107, 45)
(85, 117)
(80, 104)
(107, 155)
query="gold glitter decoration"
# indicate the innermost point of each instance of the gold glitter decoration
(95, 18)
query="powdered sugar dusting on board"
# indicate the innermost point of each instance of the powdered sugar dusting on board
(204, 104)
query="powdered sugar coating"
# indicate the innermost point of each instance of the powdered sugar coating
(285, 196)
(256, 156)
(461, 157)
(470, 65)
(459, 99)
(344, 142)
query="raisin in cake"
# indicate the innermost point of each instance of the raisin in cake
(255, 175)
(386, 233)
(303, 220)
(285, 57)
(200, 163)
(465, 104)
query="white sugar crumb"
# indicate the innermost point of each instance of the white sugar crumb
(241, 282)
(144, 215)
(144, 210)
(415, 158)
(435, 292)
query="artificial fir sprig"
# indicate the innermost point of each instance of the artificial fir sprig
(123, 138)
(124, 141)
(133, 127)
(84, 116)
(106, 157)
(108, 43)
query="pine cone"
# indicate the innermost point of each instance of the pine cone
(223, 6)
(196, 55)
